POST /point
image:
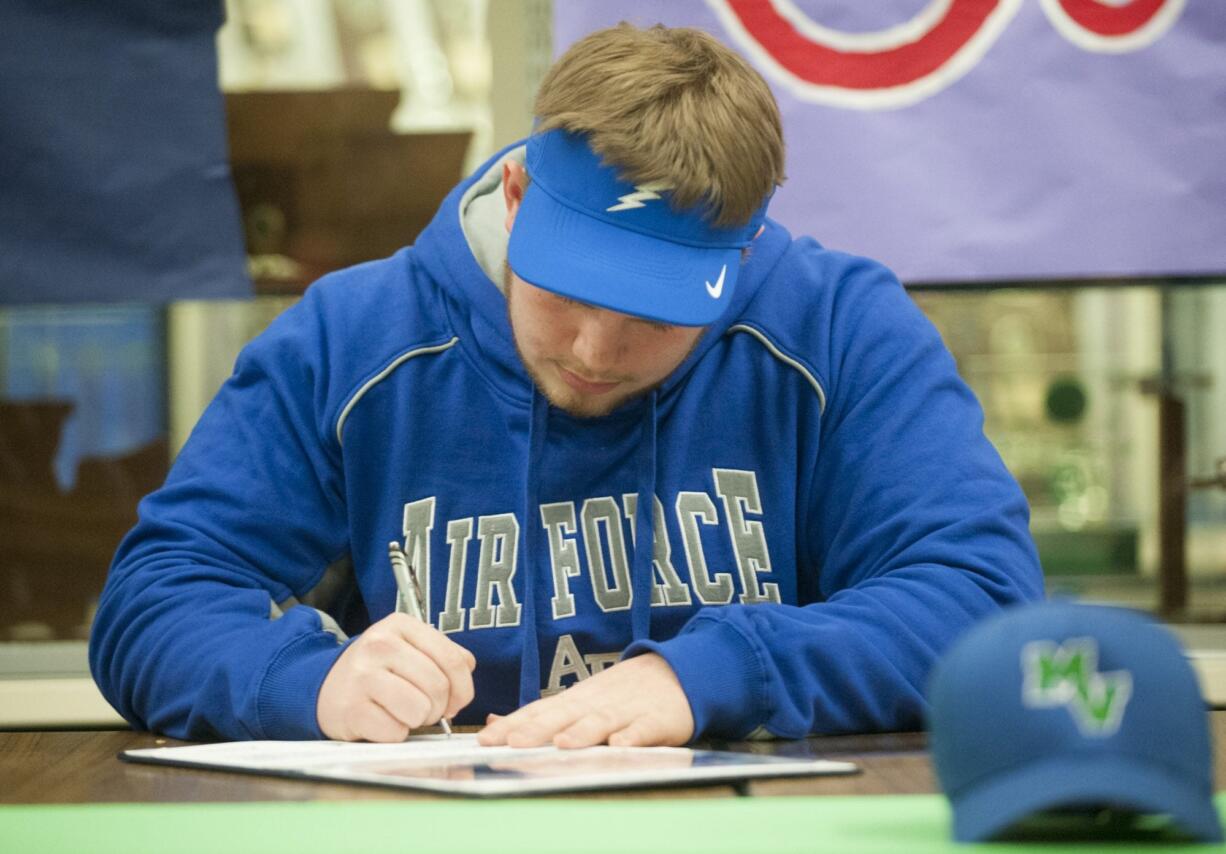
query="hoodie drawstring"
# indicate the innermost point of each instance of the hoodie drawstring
(641, 570)
(530, 658)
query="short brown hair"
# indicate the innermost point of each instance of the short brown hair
(674, 106)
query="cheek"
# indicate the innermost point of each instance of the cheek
(539, 325)
(660, 353)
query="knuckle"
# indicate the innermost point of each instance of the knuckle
(392, 731)
(371, 725)
(443, 689)
(453, 660)
(436, 689)
(395, 732)
(381, 629)
(404, 702)
(419, 714)
(366, 679)
(409, 625)
(376, 645)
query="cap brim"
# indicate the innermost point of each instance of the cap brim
(994, 806)
(567, 252)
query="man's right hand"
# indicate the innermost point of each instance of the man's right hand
(397, 675)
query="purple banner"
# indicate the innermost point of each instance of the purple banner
(985, 140)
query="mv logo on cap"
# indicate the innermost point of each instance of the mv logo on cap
(1067, 675)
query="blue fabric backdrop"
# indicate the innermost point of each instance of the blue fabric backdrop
(114, 177)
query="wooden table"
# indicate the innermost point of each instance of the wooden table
(38, 767)
(81, 767)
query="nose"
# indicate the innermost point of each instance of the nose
(599, 343)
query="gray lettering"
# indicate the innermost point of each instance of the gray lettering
(559, 522)
(598, 661)
(617, 595)
(459, 533)
(499, 537)
(690, 507)
(417, 523)
(739, 492)
(667, 588)
(566, 662)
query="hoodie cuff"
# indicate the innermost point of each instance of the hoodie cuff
(721, 675)
(290, 690)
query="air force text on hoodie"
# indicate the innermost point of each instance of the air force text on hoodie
(799, 520)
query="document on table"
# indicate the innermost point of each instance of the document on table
(460, 766)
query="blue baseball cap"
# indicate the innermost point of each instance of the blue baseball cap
(1068, 706)
(585, 233)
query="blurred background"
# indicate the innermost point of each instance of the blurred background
(346, 121)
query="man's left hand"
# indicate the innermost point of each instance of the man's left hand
(637, 702)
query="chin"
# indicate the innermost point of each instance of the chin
(572, 402)
(582, 407)
(577, 404)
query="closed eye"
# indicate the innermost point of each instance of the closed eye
(654, 324)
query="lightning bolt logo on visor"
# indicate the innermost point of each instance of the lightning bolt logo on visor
(642, 193)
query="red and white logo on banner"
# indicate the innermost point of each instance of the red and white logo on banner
(916, 59)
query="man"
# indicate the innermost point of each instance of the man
(650, 449)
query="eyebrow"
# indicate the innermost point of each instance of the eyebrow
(657, 324)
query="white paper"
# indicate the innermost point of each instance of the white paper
(459, 765)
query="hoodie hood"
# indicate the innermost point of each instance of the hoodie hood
(464, 248)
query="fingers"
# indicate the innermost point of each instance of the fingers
(639, 733)
(560, 721)
(637, 702)
(535, 724)
(496, 728)
(593, 728)
(413, 688)
(371, 722)
(453, 662)
(398, 675)
(581, 716)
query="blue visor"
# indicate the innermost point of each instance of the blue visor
(583, 232)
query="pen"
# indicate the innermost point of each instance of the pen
(410, 596)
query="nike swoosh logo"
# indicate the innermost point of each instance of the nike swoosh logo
(718, 288)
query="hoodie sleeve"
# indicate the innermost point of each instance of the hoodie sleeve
(252, 513)
(915, 531)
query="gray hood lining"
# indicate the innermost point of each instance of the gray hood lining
(483, 216)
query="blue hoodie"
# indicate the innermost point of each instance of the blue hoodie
(800, 519)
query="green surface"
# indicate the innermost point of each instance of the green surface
(915, 824)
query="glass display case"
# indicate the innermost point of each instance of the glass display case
(1076, 383)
